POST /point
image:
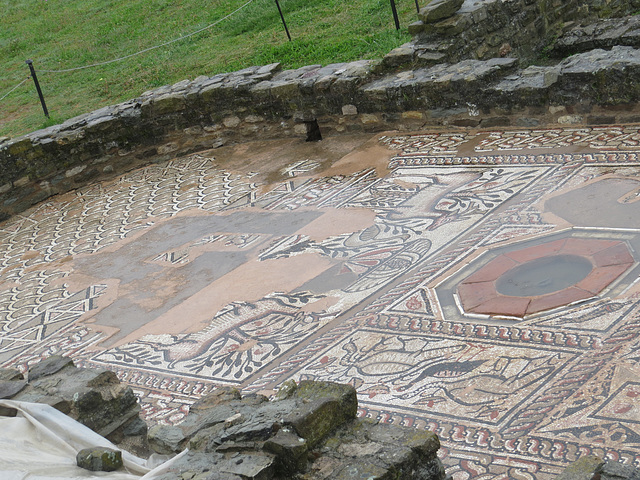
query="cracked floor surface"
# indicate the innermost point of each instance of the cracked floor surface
(412, 266)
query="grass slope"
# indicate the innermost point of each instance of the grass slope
(61, 34)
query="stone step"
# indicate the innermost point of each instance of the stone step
(604, 34)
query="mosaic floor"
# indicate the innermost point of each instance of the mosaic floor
(483, 285)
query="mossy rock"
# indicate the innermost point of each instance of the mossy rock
(99, 459)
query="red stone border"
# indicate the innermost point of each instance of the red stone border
(478, 293)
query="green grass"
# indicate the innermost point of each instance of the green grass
(61, 34)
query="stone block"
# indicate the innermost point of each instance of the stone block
(430, 58)
(270, 69)
(399, 56)
(258, 466)
(617, 471)
(412, 115)
(285, 90)
(570, 119)
(300, 129)
(325, 407)
(75, 171)
(219, 396)
(22, 182)
(601, 119)
(582, 469)
(365, 449)
(369, 119)
(9, 388)
(231, 122)
(93, 397)
(166, 439)
(290, 450)
(18, 146)
(168, 103)
(349, 110)
(465, 122)
(439, 9)
(495, 122)
(9, 374)
(136, 427)
(416, 27)
(167, 148)
(451, 26)
(99, 459)
(49, 366)
(527, 122)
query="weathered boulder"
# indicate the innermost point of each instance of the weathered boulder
(320, 408)
(166, 439)
(9, 388)
(367, 449)
(49, 366)
(93, 397)
(606, 34)
(10, 374)
(592, 467)
(99, 459)
(439, 9)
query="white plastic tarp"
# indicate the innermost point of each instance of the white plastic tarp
(41, 443)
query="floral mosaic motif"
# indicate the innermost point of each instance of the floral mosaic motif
(242, 339)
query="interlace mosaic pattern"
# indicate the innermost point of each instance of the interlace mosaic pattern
(510, 398)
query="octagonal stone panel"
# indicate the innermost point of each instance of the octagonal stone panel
(546, 276)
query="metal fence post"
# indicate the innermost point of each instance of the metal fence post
(395, 14)
(283, 22)
(35, 80)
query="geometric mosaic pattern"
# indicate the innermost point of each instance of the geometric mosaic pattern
(334, 297)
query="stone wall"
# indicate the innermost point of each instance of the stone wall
(414, 87)
(483, 29)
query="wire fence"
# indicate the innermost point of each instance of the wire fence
(125, 57)
(145, 50)
(14, 88)
(183, 37)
